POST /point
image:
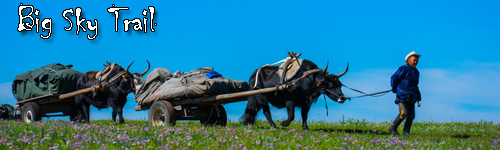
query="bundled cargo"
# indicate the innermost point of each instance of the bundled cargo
(160, 84)
(50, 79)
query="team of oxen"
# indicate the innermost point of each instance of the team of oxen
(308, 86)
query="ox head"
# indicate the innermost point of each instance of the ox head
(330, 84)
(138, 78)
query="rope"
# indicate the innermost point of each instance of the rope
(257, 77)
(326, 105)
(257, 74)
(377, 94)
(281, 61)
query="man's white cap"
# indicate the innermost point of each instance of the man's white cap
(411, 54)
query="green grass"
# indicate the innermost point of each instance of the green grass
(349, 134)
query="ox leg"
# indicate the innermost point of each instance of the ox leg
(120, 113)
(113, 115)
(86, 112)
(291, 114)
(267, 113)
(79, 108)
(251, 110)
(305, 111)
(117, 101)
(118, 110)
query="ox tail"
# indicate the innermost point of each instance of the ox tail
(250, 111)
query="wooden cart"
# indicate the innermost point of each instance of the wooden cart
(35, 108)
(208, 110)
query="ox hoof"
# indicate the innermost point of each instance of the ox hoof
(285, 123)
(305, 128)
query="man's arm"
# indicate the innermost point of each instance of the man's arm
(396, 78)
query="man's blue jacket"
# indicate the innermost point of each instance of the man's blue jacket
(404, 83)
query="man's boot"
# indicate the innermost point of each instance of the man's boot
(394, 127)
(406, 130)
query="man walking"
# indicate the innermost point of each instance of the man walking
(404, 83)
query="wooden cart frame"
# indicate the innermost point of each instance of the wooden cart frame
(35, 108)
(208, 110)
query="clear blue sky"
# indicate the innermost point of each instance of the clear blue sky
(459, 42)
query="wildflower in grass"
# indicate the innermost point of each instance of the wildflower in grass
(55, 147)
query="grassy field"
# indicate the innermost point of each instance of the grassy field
(348, 134)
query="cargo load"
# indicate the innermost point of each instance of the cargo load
(161, 84)
(50, 79)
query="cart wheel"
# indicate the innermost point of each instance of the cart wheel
(217, 116)
(31, 112)
(161, 113)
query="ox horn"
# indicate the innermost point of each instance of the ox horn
(149, 66)
(128, 67)
(341, 74)
(326, 68)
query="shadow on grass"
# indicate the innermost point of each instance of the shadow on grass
(461, 136)
(458, 136)
(354, 131)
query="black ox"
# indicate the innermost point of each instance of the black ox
(113, 91)
(303, 94)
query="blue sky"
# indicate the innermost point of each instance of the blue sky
(459, 42)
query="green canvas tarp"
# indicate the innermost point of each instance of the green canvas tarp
(51, 79)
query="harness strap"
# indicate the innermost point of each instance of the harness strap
(119, 88)
(117, 76)
(98, 83)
